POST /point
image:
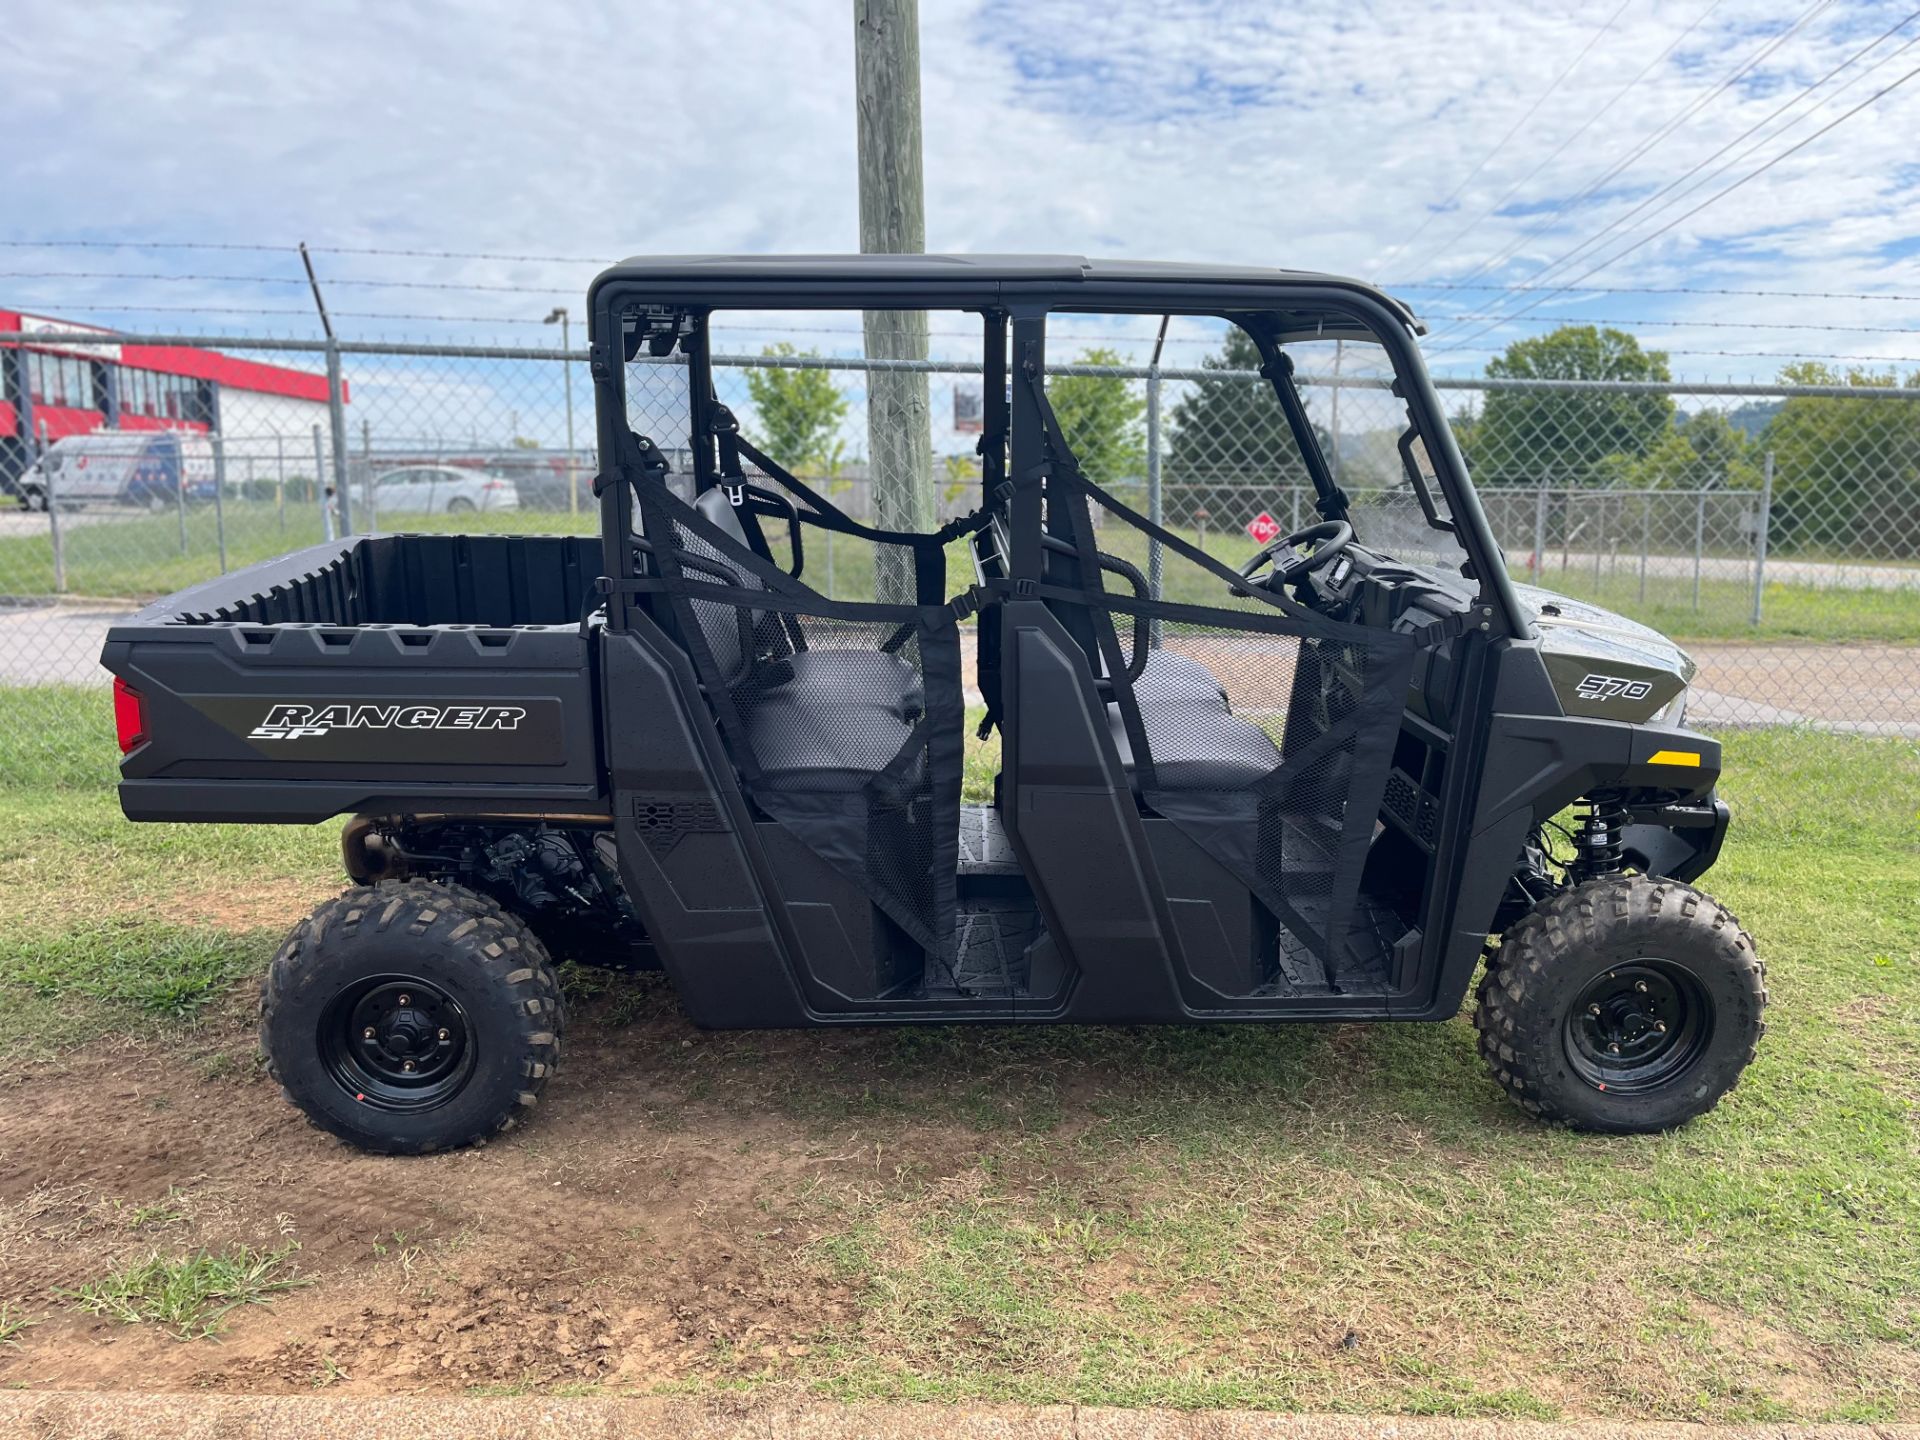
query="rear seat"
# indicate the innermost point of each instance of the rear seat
(817, 720)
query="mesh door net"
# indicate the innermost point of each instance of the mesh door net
(1264, 732)
(843, 719)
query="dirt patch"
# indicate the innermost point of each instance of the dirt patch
(940, 1212)
(258, 905)
(634, 1234)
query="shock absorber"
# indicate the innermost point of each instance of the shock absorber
(1600, 840)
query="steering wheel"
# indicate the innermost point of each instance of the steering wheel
(1329, 539)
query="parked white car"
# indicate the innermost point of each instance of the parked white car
(441, 490)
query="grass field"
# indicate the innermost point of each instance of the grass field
(1318, 1218)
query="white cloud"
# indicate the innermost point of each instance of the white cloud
(1315, 135)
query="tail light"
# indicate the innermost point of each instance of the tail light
(129, 716)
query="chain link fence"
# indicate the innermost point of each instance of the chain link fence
(1775, 530)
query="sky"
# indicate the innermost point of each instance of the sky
(1484, 143)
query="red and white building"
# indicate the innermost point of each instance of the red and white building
(49, 390)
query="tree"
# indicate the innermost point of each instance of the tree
(1568, 437)
(799, 411)
(1232, 433)
(1705, 451)
(1846, 471)
(1101, 416)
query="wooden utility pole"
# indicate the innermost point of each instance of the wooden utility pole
(893, 221)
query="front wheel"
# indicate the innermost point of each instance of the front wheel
(408, 1016)
(1625, 1005)
(33, 499)
(459, 506)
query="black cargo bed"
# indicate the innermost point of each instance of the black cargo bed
(377, 674)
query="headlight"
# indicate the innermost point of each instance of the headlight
(1675, 712)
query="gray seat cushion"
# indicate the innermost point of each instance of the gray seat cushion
(1172, 678)
(804, 745)
(1199, 748)
(830, 678)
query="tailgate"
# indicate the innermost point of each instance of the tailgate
(294, 721)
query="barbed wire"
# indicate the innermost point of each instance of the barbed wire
(1523, 289)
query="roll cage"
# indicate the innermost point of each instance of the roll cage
(660, 306)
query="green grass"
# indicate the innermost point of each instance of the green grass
(1202, 1216)
(13, 1324)
(190, 1296)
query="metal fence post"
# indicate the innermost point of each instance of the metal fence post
(1155, 506)
(1600, 544)
(1699, 541)
(320, 485)
(219, 499)
(366, 474)
(1537, 565)
(52, 513)
(1760, 537)
(337, 414)
(180, 506)
(54, 535)
(280, 483)
(1646, 541)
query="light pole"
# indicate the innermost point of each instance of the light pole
(566, 369)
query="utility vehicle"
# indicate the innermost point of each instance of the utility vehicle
(1319, 784)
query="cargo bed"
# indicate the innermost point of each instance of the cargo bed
(377, 674)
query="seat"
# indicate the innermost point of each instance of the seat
(812, 746)
(1197, 747)
(1172, 678)
(818, 721)
(819, 677)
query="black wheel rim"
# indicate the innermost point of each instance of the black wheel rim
(397, 1043)
(1638, 1026)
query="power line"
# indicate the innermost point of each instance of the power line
(1585, 126)
(1592, 241)
(1502, 142)
(1722, 194)
(1652, 140)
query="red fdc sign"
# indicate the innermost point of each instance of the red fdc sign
(1263, 528)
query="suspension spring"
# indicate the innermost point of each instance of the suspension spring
(1600, 840)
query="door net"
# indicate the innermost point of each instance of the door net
(1261, 729)
(843, 719)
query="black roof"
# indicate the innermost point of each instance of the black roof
(1069, 281)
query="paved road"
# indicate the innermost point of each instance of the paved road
(1807, 574)
(49, 645)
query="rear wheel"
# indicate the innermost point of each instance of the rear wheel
(409, 1016)
(459, 506)
(1624, 1005)
(33, 498)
